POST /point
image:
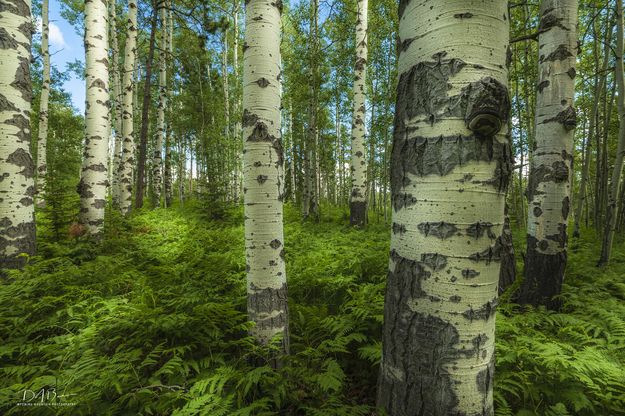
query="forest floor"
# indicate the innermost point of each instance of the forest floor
(151, 321)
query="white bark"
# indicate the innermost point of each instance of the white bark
(262, 167)
(43, 108)
(549, 184)
(358, 202)
(157, 178)
(93, 181)
(17, 186)
(128, 127)
(237, 101)
(613, 203)
(450, 167)
(117, 102)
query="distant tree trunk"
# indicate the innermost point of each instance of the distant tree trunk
(311, 192)
(613, 202)
(43, 109)
(128, 127)
(358, 196)
(167, 174)
(93, 179)
(262, 167)
(17, 168)
(237, 102)
(145, 115)
(157, 158)
(117, 102)
(549, 183)
(450, 167)
(599, 83)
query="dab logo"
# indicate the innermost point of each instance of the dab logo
(43, 397)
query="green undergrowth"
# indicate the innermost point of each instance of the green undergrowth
(151, 321)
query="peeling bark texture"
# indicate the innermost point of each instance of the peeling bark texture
(157, 157)
(17, 186)
(43, 109)
(128, 129)
(358, 201)
(450, 166)
(262, 158)
(93, 178)
(549, 183)
(613, 205)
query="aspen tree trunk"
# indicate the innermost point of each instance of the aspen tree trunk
(549, 180)
(613, 202)
(145, 112)
(311, 193)
(117, 101)
(358, 196)
(167, 175)
(450, 170)
(262, 169)
(157, 157)
(43, 109)
(128, 126)
(237, 102)
(599, 85)
(17, 168)
(93, 179)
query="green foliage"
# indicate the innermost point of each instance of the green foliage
(151, 321)
(567, 363)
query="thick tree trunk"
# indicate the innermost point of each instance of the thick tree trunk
(613, 202)
(93, 179)
(450, 170)
(358, 198)
(17, 168)
(117, 102)
(262, 170)
(128, 126)
(549, 183)
(145, 113)
(157, 157)
(43, 109)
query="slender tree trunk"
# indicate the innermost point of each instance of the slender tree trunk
(43, 109)
(145, 113)
(311, 191)
(450, 170)
(17, 168)
(549, 183)
(157, 157)
(237, 102)
(599, 86)
(117, 102)
(613, 202)
(167, 175)
(262, 169)
(358, 196)
(93, 178)
(128, 126)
